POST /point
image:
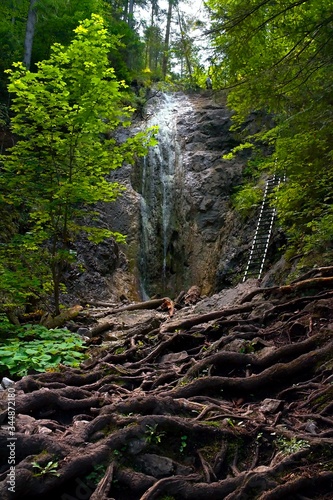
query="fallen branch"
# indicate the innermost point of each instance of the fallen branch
(203, 318)
(102, 327)
(103, 487)
(148, 304)
(98, 303)
(50, 321)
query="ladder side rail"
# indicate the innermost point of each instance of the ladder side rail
(269, 235)
(264, 240)
(266, 247)
(256, 231)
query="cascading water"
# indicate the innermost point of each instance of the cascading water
(181, 200)
(160, 186)
(184, 186)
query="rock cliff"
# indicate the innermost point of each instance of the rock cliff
(176, 210)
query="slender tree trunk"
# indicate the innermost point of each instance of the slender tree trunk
(125, 14)
(150, 44)
(186, 47)
(56, 287)
(130, 16)
(167, 41)
(29, 34)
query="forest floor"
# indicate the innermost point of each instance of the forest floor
(229, 398)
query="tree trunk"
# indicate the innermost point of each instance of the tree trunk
(167, 40)
(150, 44)
(130, 16)
(185, 45)
(29, 34)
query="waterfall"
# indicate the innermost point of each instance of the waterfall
(160, 170)
(182, 195)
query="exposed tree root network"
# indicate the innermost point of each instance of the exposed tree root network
(195, 403)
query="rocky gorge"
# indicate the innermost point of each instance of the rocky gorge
(176, 211)
(217, 389)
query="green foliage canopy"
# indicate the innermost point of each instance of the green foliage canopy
(65, 117)
(55, 22)
(276, 58)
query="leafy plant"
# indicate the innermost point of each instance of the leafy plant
(247, 348)
(290, 446)
(6, 327)
(38, 349)
(321, 235)
(241, 147)
(230, 422)
(96, 475)
(119, 453)
(152, 436)
(50, 468)
(120, 350)
(183, 443)
(247, 199)
(259, 437)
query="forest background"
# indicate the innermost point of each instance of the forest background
(238, 393)
(273, 60)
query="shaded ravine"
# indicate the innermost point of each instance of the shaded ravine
(176, 211)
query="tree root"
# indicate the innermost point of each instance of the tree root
(185, 413)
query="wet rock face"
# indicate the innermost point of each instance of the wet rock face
(207, 185)
(102, 258)
(197, 197)
(176, 211)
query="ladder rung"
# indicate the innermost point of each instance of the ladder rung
(263, 232)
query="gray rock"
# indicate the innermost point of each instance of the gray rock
(136, 446)
(237, 345)
(270, 405)
(174, 357)
(311, 427)
(159, 467)
(41, 429)
(7, 382)
(25, 424)
(156, 466)
(84, 332)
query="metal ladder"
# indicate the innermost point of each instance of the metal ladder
(263, 233)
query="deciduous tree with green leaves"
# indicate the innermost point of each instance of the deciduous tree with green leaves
(65, 115)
